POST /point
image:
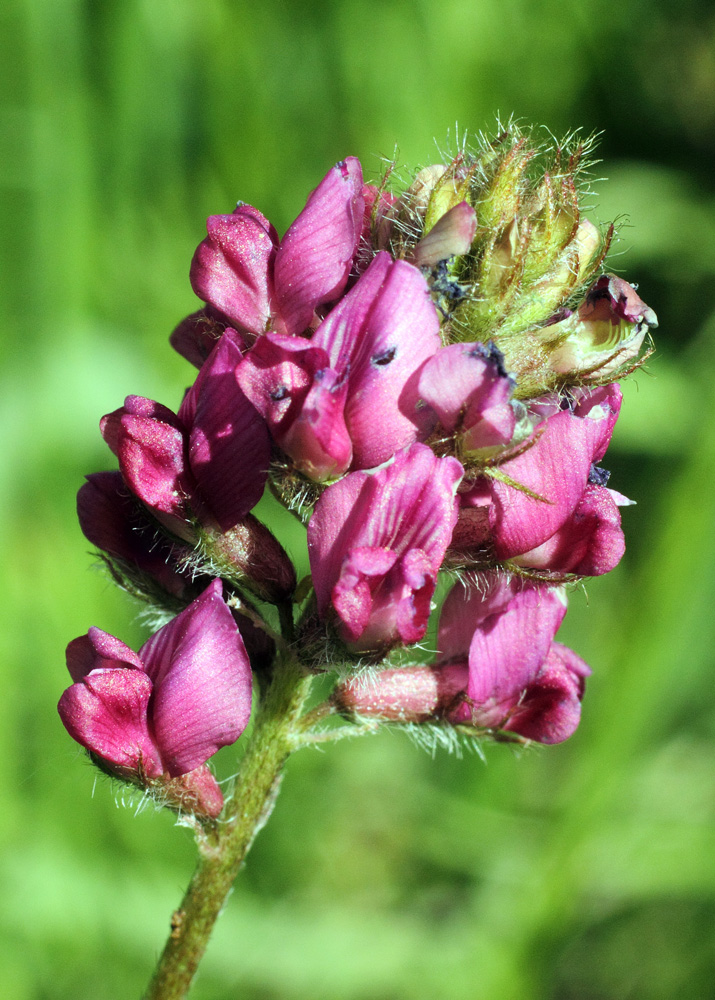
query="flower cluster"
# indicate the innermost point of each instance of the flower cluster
(429, 380)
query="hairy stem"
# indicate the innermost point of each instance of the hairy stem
(223, 849)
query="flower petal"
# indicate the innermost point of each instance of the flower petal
(229, 446)
(107, 714)
(383, 535)
(99, 650)
(231, 269)
(314, 259)
(202, 682)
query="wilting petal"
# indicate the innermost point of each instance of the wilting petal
(383, 535)
(107, 713)
(202, 682)
(315, 255)
(229, 447)
(231, 269)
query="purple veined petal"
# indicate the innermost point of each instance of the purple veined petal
(407, 505)
(107, 713)
(229, 446)
(590, 543)
(451, 236)
(318, 440)
(202, 682)
(401, 331)
(231, 269)
(99, 650)
(550, 709)
(152, 461)
(315, 256)
(276, 376)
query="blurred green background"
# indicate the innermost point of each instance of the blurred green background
(583, 871)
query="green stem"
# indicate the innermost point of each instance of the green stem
(223, 849)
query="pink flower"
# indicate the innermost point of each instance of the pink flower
(499, 668)
(496, 644)
(562, 518)
(470, 392)
(258, 282)
(376, 541)
(208, 462)
(348, 397)
(158, 714)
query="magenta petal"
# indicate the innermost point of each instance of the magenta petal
(508, 648)
(601, 405)
(231, 268)
(352, 596)
(202, 682)
(590, 543)
(318, 440)
(276, 375)
(197, 335)
(550, 709)
(468, 389)
(465, 608)
(401, 331)
(107, 714)
(99, 650)
(384, 533)
(151, 458)
(229, 447)
(342, 333)
(314, 259)
(555, 468)
(451, 235)
(137, 406)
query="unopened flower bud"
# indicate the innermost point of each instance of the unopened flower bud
(250, 555)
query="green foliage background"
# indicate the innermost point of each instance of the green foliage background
(584, 871)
